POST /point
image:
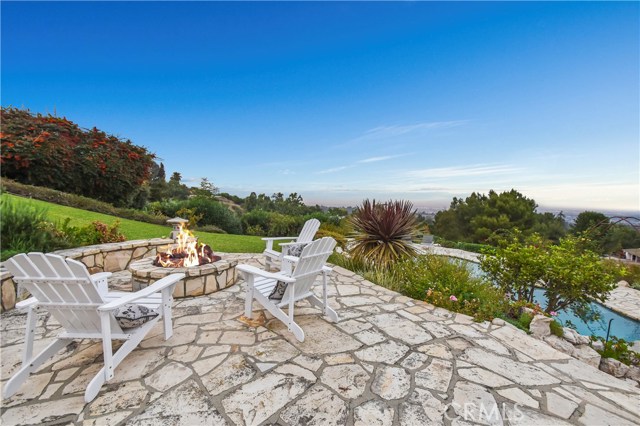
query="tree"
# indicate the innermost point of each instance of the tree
(479, 217)
(588, 220)
(207, 189)
(158, 186)
(621, 236)
(175, 189)
(575, 275)
(570, 274)
(595, 226)
(551, 227)
(516, 266)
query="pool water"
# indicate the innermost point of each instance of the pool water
(622, 327)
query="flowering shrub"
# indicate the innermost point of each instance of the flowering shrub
(618, 349)
(56, 153)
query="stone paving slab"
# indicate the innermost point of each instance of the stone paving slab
(390, 360)
(625, 300)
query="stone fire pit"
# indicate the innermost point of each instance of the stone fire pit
(199, 280)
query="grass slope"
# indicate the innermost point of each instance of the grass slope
(134, 230)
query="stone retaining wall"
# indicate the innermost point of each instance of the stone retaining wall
(111, 257)
(451, 252)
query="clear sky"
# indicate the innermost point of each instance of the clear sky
(342, 101)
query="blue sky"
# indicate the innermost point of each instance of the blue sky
(342, 101)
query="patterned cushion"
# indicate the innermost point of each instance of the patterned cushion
(278, 291)
(132, 315)
(296, 250)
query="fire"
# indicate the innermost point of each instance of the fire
(186, 252)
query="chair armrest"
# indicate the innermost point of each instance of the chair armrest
(278, 238)
(27, 303)
(270, 240)
(255, 271)
(294, 260)
(145, 292)
(101, 276)
(293, 243)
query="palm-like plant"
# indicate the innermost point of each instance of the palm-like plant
(383, 232)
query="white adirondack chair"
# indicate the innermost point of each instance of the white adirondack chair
(306, 235)
(81, 304)
(311, 263)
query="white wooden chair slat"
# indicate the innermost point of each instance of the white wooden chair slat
(84, 293)
(40, 262)
(306, 235)
(65, 292)
(25, 267)
(58, 263)
(49, 292)
(310, 264)
(33, 290)
(65, 289)
(78, 269)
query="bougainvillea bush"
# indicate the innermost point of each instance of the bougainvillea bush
(56, 153)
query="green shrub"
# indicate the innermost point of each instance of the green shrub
(340, 239)
(208, 210)
(472, 247)
(209, 228)
(556, 328)
(256, 222)
(281, 225)
(215, 213)
(449, 284)
(630, 274)
(434, 279)
(79, 202)
(168, 207)
(100, 233)
(525, 319)
(618, 349)
(22, 228)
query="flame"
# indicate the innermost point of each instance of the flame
(187, 243)
(186, 252)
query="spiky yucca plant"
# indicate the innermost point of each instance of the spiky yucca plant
(383, 232)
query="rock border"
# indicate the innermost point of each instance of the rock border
(580, 347)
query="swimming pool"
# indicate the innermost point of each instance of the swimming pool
(622, 327)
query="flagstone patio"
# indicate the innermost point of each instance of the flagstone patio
(390, 360)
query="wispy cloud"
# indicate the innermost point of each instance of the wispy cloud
(332, 170)
(287, 172)
(461, 171)
(364, 161)
(396, 130)
(385, 132)
(382, 158)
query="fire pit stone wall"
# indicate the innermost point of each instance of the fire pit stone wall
(203, 279)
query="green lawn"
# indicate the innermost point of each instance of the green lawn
(134, 230)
